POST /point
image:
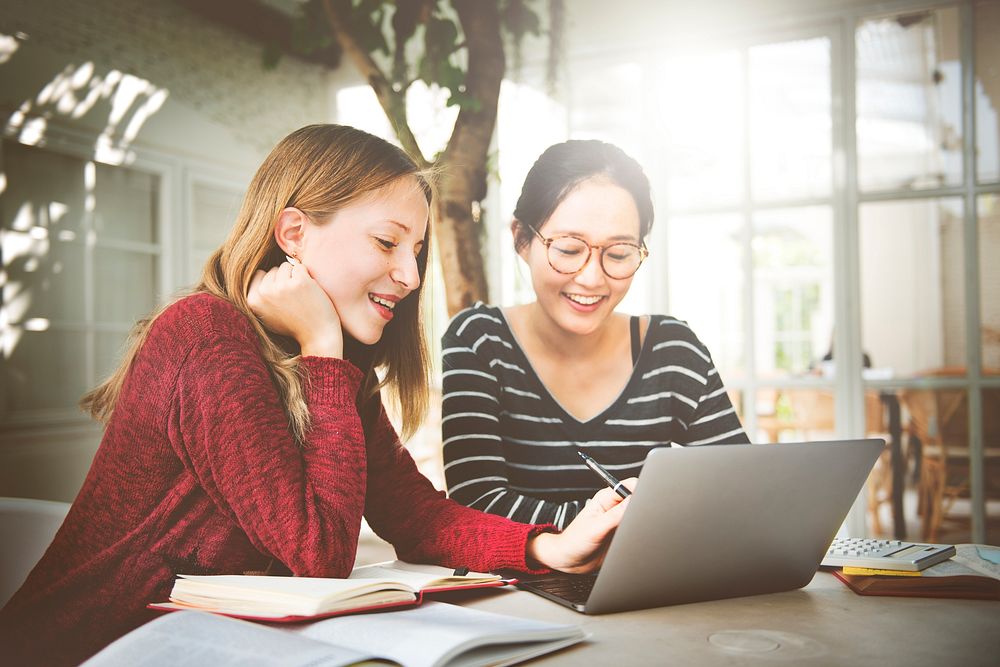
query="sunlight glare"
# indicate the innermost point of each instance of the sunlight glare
(427, 112)
(33, 132)
(8, 46)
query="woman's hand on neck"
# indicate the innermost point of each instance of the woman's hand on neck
(290, 303)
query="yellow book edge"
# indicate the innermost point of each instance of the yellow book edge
(868, 571)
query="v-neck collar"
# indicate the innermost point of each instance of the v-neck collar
(569, 417)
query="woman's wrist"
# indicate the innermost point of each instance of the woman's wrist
(537, 551)
(329, 346)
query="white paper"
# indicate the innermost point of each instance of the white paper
(435, 632)
(418, 577)
(188, 638)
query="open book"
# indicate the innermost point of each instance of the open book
(289, 599)
(973, 573)
(432, 635)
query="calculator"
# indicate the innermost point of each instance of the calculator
(885, 554)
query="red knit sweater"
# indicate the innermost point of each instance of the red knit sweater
(197, 473)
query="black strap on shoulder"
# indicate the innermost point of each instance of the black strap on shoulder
(636, 347)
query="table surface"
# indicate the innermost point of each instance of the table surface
(822, 624)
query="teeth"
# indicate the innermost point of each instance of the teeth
(584, 300)
(382, 302)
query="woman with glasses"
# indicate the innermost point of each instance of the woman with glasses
(528, 387)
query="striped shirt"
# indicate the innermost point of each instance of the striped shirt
(510, 447)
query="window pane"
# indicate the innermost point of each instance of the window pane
(793, 289)
(699, 104)
(912, 285)
(708, 250)
(790, 125)
(125, 204)
(44, 278)
(987, 91)
(937, 424)
(124, 285)
(989, 279)
(108, 351)
(44, 189)
(991, 475)
(909, 123)
(44, 369)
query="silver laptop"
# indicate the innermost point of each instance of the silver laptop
(721, 521)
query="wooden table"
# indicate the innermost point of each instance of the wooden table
(822, 624)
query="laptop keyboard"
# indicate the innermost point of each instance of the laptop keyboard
(575, 588)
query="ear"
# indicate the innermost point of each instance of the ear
(289, 231)
(515, 229)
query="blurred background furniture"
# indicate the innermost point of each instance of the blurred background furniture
(810, 413)
(938, 427)
(27, 527)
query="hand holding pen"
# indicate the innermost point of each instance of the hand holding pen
(580, 547)
(608, 478)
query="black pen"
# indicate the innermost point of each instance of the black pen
(617, 486)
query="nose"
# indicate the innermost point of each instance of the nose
(404, 271)
(591, 275)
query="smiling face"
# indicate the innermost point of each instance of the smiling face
(365, 256)
(599, 212)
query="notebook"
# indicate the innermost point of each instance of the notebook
(291, 599)
(721, 521)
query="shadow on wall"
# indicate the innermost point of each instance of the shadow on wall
(124, 102)
(50, 215)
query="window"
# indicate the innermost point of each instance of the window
(82, 255)
(826, 186)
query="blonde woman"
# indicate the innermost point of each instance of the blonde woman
(245, 430)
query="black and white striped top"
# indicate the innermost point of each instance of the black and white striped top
(510, 447)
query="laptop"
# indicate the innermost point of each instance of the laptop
(721, 521)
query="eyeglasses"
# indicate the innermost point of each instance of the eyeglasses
(569, 254)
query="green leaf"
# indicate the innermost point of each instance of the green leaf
(440, 42)
(519, 19)
(464, 100)
(441, 35)
(405, 20)
(308, 36)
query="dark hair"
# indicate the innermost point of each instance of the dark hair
(560, 168)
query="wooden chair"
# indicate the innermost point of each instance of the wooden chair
(939, 421)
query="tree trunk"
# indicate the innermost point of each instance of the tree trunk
(463, 164)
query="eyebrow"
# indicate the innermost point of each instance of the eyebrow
(618, 237)
(399, 224)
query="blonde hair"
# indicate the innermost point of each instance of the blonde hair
(318, 169)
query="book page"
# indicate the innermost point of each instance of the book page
(197, 638)
(436, 633)
(285, 596)
(420, 577)
(968, 561)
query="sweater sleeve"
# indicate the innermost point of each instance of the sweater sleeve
(301, 505)
(475, 465)
(405, 509)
